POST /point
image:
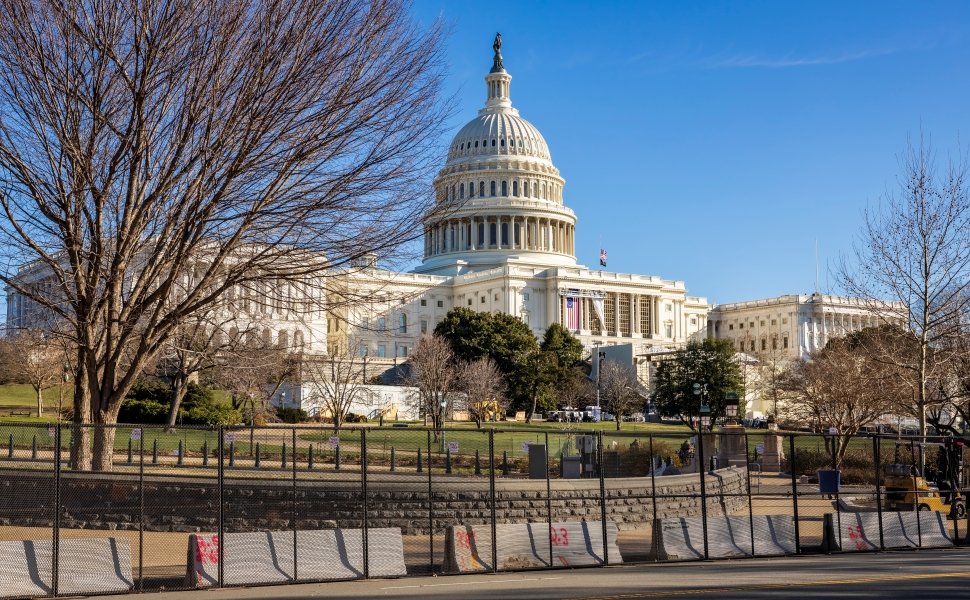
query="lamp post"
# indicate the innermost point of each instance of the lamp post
(443, 403)
(731, 408)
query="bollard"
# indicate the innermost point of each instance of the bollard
(155, 452)
(448, 460)
(478, 463)
(505, 462)
(129, 451)
(181, 455)
(10, 447)
(256, 463)
(232, 454)
(392, 458)
(336, 458)
(309, 458)
(33, 449)
(419, 460)
(283, 457)
(205, 453)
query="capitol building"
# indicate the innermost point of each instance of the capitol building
(503, 240)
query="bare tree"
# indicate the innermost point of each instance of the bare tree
(619, 389)
(836, 388)
(433, 373)
(253, 373)
(574, 389)
(35, 358)
(335, 382)
(913, 250)
(484, 387)
(154, 156)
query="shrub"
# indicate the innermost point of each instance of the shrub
(142, 411)
(352, 418)
(291, 415)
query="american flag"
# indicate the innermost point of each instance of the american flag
(572, 313)
(602, 257)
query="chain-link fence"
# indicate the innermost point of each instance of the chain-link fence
(87, 509)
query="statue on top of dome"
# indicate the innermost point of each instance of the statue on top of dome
(497, 65)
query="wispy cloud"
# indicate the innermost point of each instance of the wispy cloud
(756, 61)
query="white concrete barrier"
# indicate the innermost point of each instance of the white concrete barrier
(859, 531)
(468, 548)
(267, 557)
(85, 566)
(682, 538)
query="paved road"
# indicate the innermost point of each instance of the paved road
(922, 574)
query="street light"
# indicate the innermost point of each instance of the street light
(704, 411)
(731, 408)
(443, 402)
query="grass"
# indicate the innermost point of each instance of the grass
(16, 396)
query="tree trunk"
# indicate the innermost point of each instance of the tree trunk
(617, 419)
(80, 452)
(532, 411)
(179, 388)
(40, 400)
(104, 447)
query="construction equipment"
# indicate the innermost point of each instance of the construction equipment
(917, 486)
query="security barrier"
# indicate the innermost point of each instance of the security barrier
(860, 531)
(87, 566)
(268, 557)
(727, 537)
(468, 549)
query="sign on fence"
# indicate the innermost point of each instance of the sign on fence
(333, 442)
(136, 434)
(230, 437)
(525, 447)
(452, 447)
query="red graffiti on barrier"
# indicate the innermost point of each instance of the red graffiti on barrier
(464, 539)
(857, 536)
(207, 551)
(559, 538)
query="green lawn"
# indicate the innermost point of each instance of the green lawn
(14, 396)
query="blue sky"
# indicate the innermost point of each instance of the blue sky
(715, 142)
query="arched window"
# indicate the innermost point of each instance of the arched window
(481, 189)
(476, 143)
(491, 234)
(505, 234)
(492, 189)
(283, 339)
(471, 190)
(298, 339)
(525, 190)
(502, 142)
(505, 188)
(452, 192)
(515, 188)
(493, 142)
(461, 191)
(403, 322)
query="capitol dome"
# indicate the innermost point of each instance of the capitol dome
(499, 195)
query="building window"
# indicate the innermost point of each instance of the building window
(381, 350)
(492, 189)
(740, 325)
(381, 324)
(491, 234)
(424, 326)
(424, 302)
(525, 189)
(440, 303)
(402, 351)
(693, 321)
(752, 345)
(668, 330)
(669, 307)
(762, 323)
(482, 300)
(774, 321)
(471, 190)
(481, 188)
(403, 322)
(741, 346)
(365, 323)
(764, 344)
(784, 321)
(469, 302)
(362, 350)
(784, 342)
(481, 234)
(505, 188)
(515, 188)
(525, 296)
(461, 191)
(496, 297)
(505, 234)
(774, 343)
(731, 327)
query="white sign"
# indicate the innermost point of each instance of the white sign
(136, 434)
(833, 431)
(452, 447)
(51, 431)
(230, 437)
(525, 446)
(760, 448)
(333, 442)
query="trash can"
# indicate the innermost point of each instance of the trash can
(571, 467)
(829, 481)
(537, 461)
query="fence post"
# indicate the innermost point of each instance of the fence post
(220, 485)
(232, 453)
(205, 453)
(392, 459)
(747, 471)
(419, 460)
(448, 461)
(155, 451)
(141, 509)
(430, 510)
(256, 461)
(10, 447)
(130, 458)
(363, 483)
(336, 457)
(491, 494)
(794, 490)
(56, 538)
(548, 498)
(599, 458)
(653, 487)
(309, 458)
(876, 448)
(702, 470)
(33, 448)
(296, 556)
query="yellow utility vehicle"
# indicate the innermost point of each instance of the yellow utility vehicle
(908, 488)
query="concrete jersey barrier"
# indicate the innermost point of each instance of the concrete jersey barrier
(267, 557)
(468, 548)
(85, 566)
(682, 538)
(859, 531)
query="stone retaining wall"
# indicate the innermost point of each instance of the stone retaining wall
(189, 504)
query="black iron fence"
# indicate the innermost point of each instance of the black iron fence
(196, 507)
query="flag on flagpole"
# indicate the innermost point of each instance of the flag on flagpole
(572, 313)
(602, 257)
